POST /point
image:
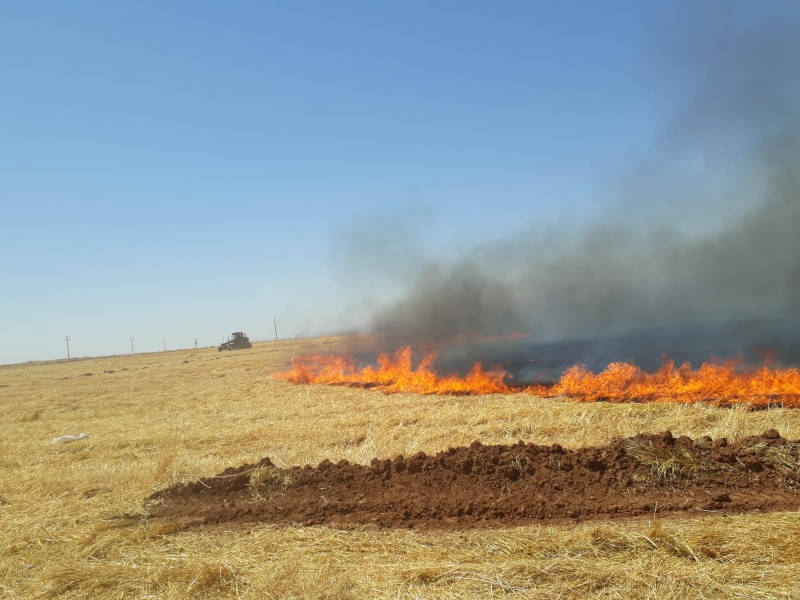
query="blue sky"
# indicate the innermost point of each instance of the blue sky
(180, 170)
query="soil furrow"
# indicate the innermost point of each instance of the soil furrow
(504, 485)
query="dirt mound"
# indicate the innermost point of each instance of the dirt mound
(490, 486)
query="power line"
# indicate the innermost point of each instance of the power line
(66, 339)
(195, 343)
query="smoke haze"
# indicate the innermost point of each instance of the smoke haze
(705, 230)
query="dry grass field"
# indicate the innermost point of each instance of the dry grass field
(72, 523)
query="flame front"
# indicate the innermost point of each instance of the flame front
(719, 384)
(395, 374)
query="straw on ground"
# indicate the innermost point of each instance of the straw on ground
(72, 523)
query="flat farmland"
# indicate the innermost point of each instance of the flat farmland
(74, 522)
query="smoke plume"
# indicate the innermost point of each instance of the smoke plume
(729, 158)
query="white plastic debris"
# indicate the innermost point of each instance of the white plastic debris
(66, 439)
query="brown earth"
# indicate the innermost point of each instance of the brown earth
(493, 486)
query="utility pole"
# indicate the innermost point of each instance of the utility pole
(195, 343)
(66, 339)
(165, 344)
(131, 345)
(275, 323)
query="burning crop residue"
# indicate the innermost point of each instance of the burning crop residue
(396, 374)
(720, 384)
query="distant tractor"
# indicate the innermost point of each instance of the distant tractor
(238, 341)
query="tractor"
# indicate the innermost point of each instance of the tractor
(238, 341)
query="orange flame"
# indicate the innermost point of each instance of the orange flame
(719, 384)
(395, 374)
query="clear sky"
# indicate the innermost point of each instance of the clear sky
(181, 170)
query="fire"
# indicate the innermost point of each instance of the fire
(395, 374)
(720, 384)
(717, 384)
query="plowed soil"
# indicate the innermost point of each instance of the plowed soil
(494, 486)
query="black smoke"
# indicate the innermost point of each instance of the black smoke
(704, 235)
